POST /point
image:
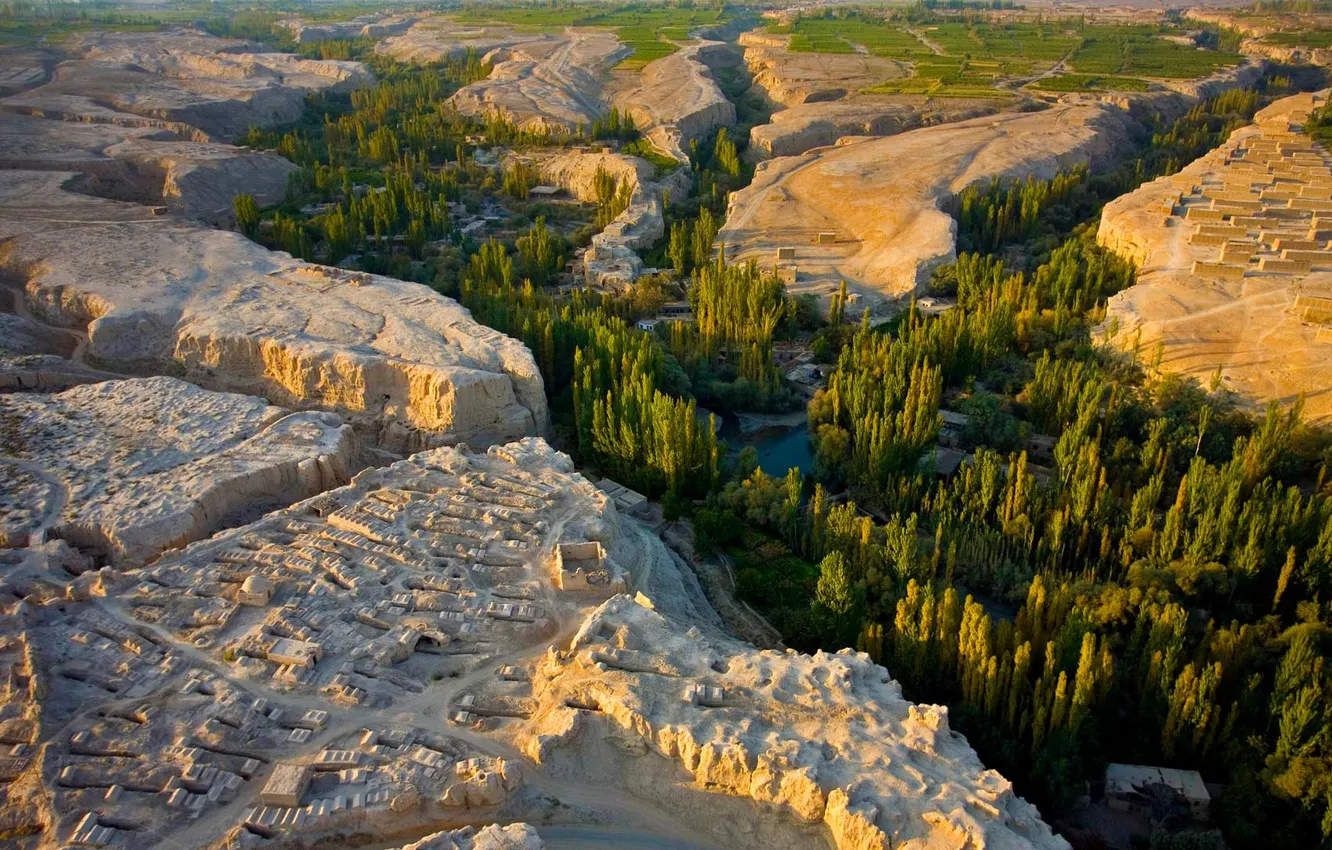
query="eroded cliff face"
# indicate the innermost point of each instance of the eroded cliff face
(136, 114)
(806, 126)
(184, 76)
(552, 83)
(821, 742)
(791, 78)
(408, 367)
(677, 100)
(131, 468)
(869, 211)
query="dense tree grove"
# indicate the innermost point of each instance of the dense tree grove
(1153, 591)
(606, 374)
(1128, 566)
(727, 349)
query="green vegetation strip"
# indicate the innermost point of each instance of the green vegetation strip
(1088, 82)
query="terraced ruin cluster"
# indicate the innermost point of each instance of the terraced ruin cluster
(1234, 259)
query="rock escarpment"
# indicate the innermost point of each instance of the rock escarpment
(183, 79)
(137, 113)
(407, 366)
(130, 468)
(612, 259)
(363, 26)
(677, 100)
(146, 165)
(1225, 286)
(437, 38)
(790, 78)
(551, 84)
(806, 126)
(821, 98)
(869, 211)
(825, 743)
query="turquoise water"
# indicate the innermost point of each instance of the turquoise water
(781, 450)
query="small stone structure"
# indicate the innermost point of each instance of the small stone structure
(286, 786)
(1135, 787)
(256, 591)
(584, 566)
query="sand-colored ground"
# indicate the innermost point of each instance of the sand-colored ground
(553, 82)
(879, 199)
(677, 100)
(791, 78)
(436, 38)
(129, 468)
(145, 165)
(805, 126)
(406, 364)
(1209, 316)
(182, 80)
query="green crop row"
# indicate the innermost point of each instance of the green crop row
(1089, 82)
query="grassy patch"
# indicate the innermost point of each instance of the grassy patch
(841, 35)
(648, 29)
(1028, 43)
(1089, 82)
(1141, 52)
(1312, 38)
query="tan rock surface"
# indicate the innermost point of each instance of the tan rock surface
(677, 100)
(1248, 326)
(880, 198)
(554, 83)
(802, 127)
(146, 165)
(183, 77)
(130, 468)
(363, 26)
(791, 78)
(405, 365)
(435, 38)
(821, 739)
(515, 836)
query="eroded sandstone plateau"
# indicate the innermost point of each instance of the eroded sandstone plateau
(407, 366)
(542, 656)
(538, 80)
(184, 80)
(677, 99)
(868, 211)
(130, 468)
(1232, 261)
(143, 116)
